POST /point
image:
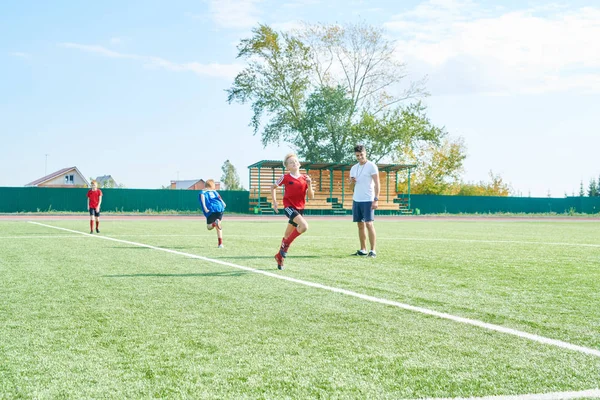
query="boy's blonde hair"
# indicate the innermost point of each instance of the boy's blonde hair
(94, 182)
(287, 157)
(210, 184)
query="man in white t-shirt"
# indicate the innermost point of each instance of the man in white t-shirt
(364, 176)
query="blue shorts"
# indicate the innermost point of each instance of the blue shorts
(94, 212)
(362, 211)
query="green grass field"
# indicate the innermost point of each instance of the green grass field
(83, 317)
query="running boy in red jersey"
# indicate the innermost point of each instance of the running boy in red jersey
(94, 199)
(296, 187)
(213, 207)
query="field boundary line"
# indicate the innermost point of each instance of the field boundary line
(591, 393)
(40, 237)
(317, 237)
(426, 311)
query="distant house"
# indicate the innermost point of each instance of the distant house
(106, 181)
(65, 178)
(195, 184)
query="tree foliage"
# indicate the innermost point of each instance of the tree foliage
(326, 88)
(439, 169)
(495, 187)
(396, 133)
(361, 59)
(326, 126)
(592, 188)
(230, 178)
(275, 81)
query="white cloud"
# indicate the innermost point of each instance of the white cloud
(228, 71)
(99, 50)
(300, 3)
(523, 51)
(238, 14)
(20, 54)
(287, 26)
(214, 70)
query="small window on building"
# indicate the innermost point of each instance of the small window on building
(69, 179)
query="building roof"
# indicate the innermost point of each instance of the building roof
(335, 166)
(54, 175)
(186, 184)
(105, 178)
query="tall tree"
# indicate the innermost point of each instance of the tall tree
(581, 190)
(316, 88)
(592, 189)
(439, 168)
(326, 126)
(230, 178)
(397, 130)
(275, 81)
(360, 58)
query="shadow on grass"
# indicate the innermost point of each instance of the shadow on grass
(227, 274)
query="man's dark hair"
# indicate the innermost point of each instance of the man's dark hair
(359, 148)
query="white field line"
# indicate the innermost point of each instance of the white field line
(494, 241)
(319, 238)
(41, 237)
(468, 321)
(590, 394)
(316, 237)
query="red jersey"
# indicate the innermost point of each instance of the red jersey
(295, 190)
(94, 196)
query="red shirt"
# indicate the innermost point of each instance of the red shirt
(94, 196)
(295, 190)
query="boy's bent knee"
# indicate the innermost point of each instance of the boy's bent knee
(302, 228)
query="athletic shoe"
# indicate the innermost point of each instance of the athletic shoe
(97, 230)
(372, 254)
(360, 253)
(91, 232)
(220, 246)
(284, 249)
(279, 260)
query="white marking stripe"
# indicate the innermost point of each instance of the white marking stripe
(495, 241)
(480, 324)
(592, 393)
(316, 237)
(42, 237)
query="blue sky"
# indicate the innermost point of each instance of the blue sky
(136, 89)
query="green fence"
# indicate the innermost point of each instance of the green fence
(34, 199)
(430, 204)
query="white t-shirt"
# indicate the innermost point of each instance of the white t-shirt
(364, 188)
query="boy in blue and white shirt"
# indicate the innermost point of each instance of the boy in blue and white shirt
(213, 207)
